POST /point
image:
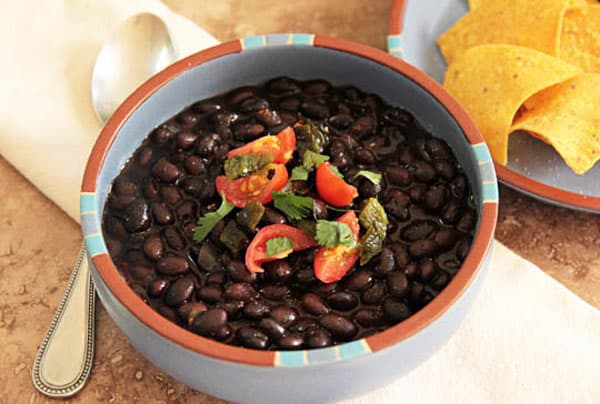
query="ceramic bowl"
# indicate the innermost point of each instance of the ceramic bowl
(318, 375)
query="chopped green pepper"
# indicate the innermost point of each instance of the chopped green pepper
(250, 216)
(373, 218)
(371, 245)
(234, 238)
(245, 164)
(311, 136)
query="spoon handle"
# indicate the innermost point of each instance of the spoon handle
(64, 360)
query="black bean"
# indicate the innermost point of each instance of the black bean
(162, 213)
(247, 131)
(168, 313)
(275, 292)
(446, 238)
(359, 280)
(369, 317)
(114, 227)
(441, 280)
(419, 230)
(194, 165)
(216, 278)
(339, 154)
(398, 175)
(188, 118)
(186, 139)
(363, 127)
(338, 325)
(144, 156)
(367, 189)
(288, 117)
(436, 197)
(122, 186)
(341, 121)
(437, 149)
(269, 117)
(174, 238)
(209, 322)
(278, 271)
(395, 310)
(162, 135)
(208, 257)
(397, 204)
(240, 291)
(342, 301)
(252, 338)
(452, 211)
(208, 107)
(179, 291)
(445, 169)
(282, 85)
(315, 110)
(121, 202)
(458, 187)
(397, 284)
(253, 104)
(374, 295)
(137, 216)
(401, 257)
(386, 261)
(272, 328)
(427, 269)
(223, 333)
(291, 341)
(172, 265)
(313, 304)
(316, 87)
(171, 194)
(284, 315)
(466, 222)
(186, 210)
(257, 309)
(154, 248)
(271, 216)
(210, 293)
(463, 247)
(238, 273)
(207, 145)
(398, 117)
(325, 289)
(142, 272)
(305, 324)
(318, 338)
(422, 248)
(412, 271)
(290, 104)
(305, 276)
(150, 188)
(416, 293)
(157, 287)
(240, 94)
(189, 311)
(424, 172)
(166, 171)
(417, 192)
(232, 307)
(364, 156)
(406, 155)
(319, 208)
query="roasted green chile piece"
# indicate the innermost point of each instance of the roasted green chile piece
(371, 245)
(250, 216)
(234, 238)
(373, 214)
(311, 136)
(245, 164)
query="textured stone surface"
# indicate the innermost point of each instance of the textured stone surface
(38, 242)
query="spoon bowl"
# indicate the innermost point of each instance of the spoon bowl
(138, 49)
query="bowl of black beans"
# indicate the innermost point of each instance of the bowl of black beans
(288, 218)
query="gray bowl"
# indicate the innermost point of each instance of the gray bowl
(317, 375)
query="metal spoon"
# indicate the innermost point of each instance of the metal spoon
(139, 48)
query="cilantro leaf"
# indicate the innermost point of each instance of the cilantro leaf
(330, 234)
(299, 174)
(278, 245)
(311, 160)
(336, 171)
(375, 178)
(207, 222)
(294, 206)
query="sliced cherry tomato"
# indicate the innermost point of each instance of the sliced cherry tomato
(256, 187)
(256, 253)
(333, 189)
(280, 146)
(332, 263)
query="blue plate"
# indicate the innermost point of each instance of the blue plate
(533, 166)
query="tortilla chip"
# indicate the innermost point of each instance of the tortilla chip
(567, 116)
(492, 92)
(580, 39)
(532, 23)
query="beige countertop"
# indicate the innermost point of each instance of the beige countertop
(38, 242)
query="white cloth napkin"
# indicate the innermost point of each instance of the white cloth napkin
(528, 339)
